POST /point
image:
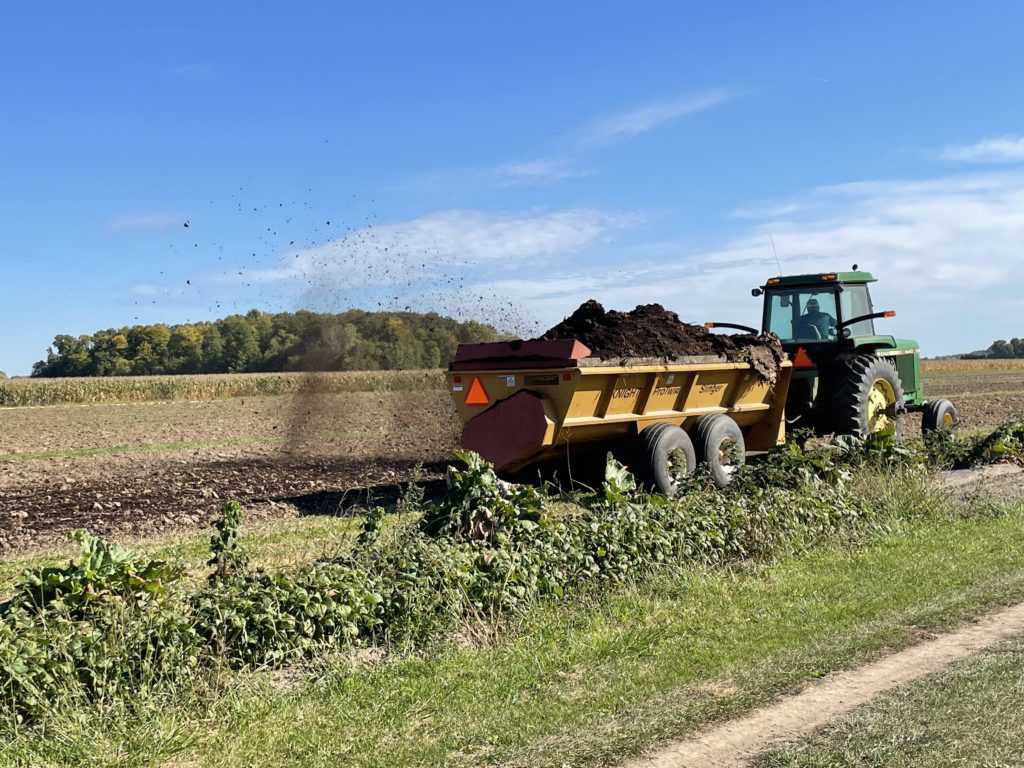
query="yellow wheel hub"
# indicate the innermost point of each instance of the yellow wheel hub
(881, 399)
(947, 419)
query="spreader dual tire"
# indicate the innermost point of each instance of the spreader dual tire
(868, 396)
(939, 414)
(719, 443)
(666, 456)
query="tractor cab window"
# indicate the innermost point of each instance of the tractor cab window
(855, 301)
(801, 314)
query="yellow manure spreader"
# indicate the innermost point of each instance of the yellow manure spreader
(525, 402)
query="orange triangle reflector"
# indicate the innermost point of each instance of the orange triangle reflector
(801, 359)
(477, 395)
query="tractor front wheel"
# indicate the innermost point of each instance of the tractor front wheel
(868, 397)
(939, 414)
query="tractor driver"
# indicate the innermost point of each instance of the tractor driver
(815, 324)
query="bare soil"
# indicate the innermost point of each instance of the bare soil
(135, 470)
(166, 466)
(650, 330)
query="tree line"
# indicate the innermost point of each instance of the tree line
(260, 341)
(1000, 350)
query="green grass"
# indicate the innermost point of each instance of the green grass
(587, 681)
(968, 714)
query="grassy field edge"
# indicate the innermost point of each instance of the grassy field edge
(592, 680)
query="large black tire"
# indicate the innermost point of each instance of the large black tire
(939, 414)
(666, 456)
(868, 396)
(719, 443)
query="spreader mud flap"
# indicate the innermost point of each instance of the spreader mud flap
(510, 432)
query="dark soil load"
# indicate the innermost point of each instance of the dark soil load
(650, 330)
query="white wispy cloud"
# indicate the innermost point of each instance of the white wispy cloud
(603, 131)
(946, 250)
(147, 289)
(1002, 149)
(540, 170)
(625, 125)
(145, 220)
(765, 210)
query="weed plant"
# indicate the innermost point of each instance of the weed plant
(114, 629)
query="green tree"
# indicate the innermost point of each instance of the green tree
(263, 325)
(351, 340)
(1000, 349)
(241, 344)
(109, 353)
(275, 354)
(213, 349)
(71, 357)
(1017, 347)
(147, 348)
(185, 349)
(471, 330)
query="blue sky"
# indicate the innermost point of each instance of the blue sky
(506, 163)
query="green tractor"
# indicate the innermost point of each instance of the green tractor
(847, 379)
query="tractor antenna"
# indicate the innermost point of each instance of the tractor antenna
(772, 240)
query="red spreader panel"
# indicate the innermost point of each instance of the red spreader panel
(508, 432)
(519, 354)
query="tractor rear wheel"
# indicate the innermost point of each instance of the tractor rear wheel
(719, 443)
(666, 457)
(939, 414)
(868, 397)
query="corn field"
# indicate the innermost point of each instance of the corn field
(117, 389)
(972, 365)
(120, 389)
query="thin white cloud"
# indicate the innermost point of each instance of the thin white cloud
(626, 125)
(604, 131)
(145, 220)
(765, 210)
(1003, 149)
(946, 252)
(541, 170)
(146, 289)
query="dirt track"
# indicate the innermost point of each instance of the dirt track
(737, 742)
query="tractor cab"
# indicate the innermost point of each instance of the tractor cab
(847, 378)
(808, 309)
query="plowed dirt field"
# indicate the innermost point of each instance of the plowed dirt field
(140, 469)
(137, 470)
